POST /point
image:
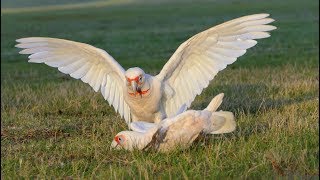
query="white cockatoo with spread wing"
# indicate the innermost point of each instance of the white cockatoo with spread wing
(178, 131)
(138, 96)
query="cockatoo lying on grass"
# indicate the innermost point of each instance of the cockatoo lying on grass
(178, 131)
(138, 96)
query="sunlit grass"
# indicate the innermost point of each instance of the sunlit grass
(55, 126)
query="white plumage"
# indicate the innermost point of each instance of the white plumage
(177, 131)
(82, 61)
(141, 97)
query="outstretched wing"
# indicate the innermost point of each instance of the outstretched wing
(81, 61)
(201, 57)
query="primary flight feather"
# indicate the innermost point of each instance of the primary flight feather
(138, 96)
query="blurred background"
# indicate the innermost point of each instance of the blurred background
(150, 31)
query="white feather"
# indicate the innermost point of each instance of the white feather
(238, 44)
(121, 101)
(99, 78)
(116, 99)
(81, 61)
(35, 50)
(112, 92)
(189, 70)
(31, 45)
(108, 88)
(81, 71)
(207, 53)
(72, 67)
(103, 86)
(87, 77)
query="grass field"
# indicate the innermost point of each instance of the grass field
(58, 127)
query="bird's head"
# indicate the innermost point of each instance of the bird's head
(135, 78)
(128, 140)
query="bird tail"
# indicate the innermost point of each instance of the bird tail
(222, 122)
(215, 103)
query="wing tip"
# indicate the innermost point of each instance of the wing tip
(271, 20)
(32, 39)
(220, 95)
(22, 52)
(19, 40)
(264, 15)
(18, 46)
(35, 61)
(267, 34)
(271, 27)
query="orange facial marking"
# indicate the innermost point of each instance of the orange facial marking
(117, 139)
(136, 79)
(139, 92)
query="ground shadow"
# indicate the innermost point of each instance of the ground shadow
(250, 99)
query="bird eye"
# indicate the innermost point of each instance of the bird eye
(119, 139)
(140, 78)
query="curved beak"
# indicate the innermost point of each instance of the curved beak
(134, 86)
(114, 145)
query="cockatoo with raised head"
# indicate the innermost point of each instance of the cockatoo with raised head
(138, 96)
(178, 131)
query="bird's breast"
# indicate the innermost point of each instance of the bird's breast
(144, 105)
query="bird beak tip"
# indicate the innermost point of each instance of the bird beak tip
(134, 86)
(113, 145)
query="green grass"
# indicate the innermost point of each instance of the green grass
(36, 3)
(55, 126)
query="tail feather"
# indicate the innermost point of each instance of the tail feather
(222, 122)
(215, 103)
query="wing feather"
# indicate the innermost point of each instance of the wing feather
(108, 89)
(98, 82)
(72, 66)
(121, 101)
(103, 86)
(112, 91)
(81, 61)
(79, 73)
(116, 99)
(86, 78)
(196, 61)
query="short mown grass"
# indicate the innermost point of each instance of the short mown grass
(53, 126)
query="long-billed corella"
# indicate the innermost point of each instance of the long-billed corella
(138, 96)
(178, 131)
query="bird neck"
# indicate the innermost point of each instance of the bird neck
(140, 140)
